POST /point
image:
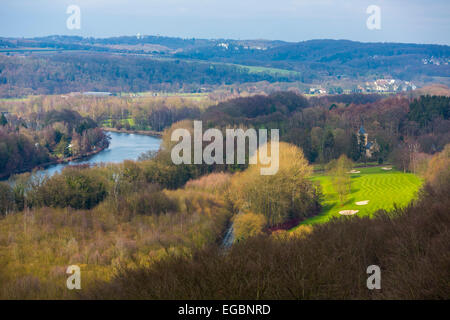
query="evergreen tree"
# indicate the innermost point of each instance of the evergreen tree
(362, 146)
(328, 146)
(62, 148)
(3, 121)
(355, 152)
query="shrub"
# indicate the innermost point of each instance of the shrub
(215, 182)
(438, 170)
(153, 202)
(76, 188)
(248, 225)
(166, 174)
(301, 231)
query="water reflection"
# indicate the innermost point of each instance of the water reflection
(123, 146)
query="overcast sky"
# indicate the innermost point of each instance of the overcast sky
(418, 21)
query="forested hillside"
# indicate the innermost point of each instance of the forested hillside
(61, 64)
(64, 73)
(318, 59)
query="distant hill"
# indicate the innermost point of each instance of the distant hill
(109, 44)
(74, 72)
(58, 64)
(337, 58)
(432, 90)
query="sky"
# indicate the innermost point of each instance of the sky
(411, 21)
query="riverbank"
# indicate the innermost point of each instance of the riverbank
(122, 146)
(55, 161)
(150, 133)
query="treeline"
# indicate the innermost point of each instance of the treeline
(354, 98)
(18, 152)
(156, 119)
(402, 130)
(322, 59)
(81, 187)
(428, 108)
(45, 137)
(65, 72)
(136, 113)
(100, 44)
(327, 127)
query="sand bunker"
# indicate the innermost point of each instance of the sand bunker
(354, 171)
(362, 203)
(386, 168)
(348, 212)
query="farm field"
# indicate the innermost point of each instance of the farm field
(273, 71)
(382, 188)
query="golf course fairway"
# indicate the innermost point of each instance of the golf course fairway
(382, 189)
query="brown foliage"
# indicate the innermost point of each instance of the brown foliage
(438, 169)
(410, 245)
(248, 225)
(214, 182)
(287, 194)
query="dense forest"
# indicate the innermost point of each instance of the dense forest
(138, 113)
(66, 72)
(317, 59)
(327, 127)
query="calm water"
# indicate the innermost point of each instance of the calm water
(123, 146)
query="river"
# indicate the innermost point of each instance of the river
(123, 146)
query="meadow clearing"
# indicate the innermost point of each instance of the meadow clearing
(383, 189)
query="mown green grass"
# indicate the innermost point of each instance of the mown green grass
(108, 122)
(382, 188)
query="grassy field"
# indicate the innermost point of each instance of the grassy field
(382, 188)
(107, 123)
(272, 71)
